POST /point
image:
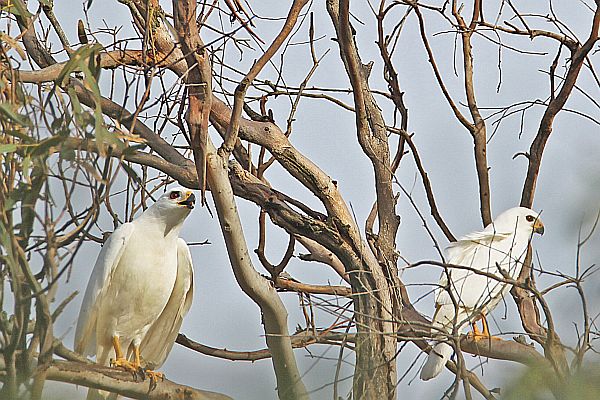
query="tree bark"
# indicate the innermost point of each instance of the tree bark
(289, 381)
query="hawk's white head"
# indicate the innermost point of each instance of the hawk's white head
(519, 219)
(172, 207)
(177, 198)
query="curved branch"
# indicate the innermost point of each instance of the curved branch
(274, 270)
(318, 253)
(532, 33)
(478, 127)
(288, 284)
(289, 380)
(427, 185)
(240, 91)
(299, 340)
(556, 104)
(120, 382)
(108, 60)
(213, 165)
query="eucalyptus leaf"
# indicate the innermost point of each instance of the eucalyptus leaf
(43, 148)
(6, 109)
(8, 148)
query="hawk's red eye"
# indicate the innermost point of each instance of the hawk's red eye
(174, 195)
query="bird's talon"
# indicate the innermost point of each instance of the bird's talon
(140, 373)
(154, 377)
(125, 365)
(479, 336)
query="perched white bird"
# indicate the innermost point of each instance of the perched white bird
(140, 289)
(463, 295)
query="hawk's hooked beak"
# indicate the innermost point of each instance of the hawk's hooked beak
(189, 201)
(538, 227)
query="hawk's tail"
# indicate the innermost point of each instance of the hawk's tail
(436, 360)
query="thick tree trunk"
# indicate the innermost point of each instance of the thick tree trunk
(373, 275)
(375, 369)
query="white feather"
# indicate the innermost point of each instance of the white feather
(498, 250)
(436, 360)
(107, 261)
(141, 285)
(160, 338)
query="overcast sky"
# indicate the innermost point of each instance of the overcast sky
(221, 316)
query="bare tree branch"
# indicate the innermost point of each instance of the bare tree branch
(120, 382)
(578, 57)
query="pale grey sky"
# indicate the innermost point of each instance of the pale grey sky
(221, 316)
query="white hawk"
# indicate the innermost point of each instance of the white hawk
(140, 289)
(465, 296)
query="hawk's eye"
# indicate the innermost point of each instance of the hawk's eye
(530, 218)
(174, 195)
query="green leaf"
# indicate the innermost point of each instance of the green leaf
(83, 118)
(78, 61)
(17, 8)
(18, 134)
(105, 138)
(56, 124)
(17, 195)
(77, 109)
(26, 166)
(67, 154)
(42, 149)
(8, 148)
(14, 44)
(6, 109)
(94, 68)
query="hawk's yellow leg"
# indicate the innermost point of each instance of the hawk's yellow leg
(478, 335)
(134, 367)
(121, 361)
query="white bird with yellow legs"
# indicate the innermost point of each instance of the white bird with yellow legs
(476, 284)
(139, 291)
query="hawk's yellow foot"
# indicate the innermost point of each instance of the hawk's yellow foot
(154, 377)
(477, 335)
(129, 366)
(475, 332)
(121, 362)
